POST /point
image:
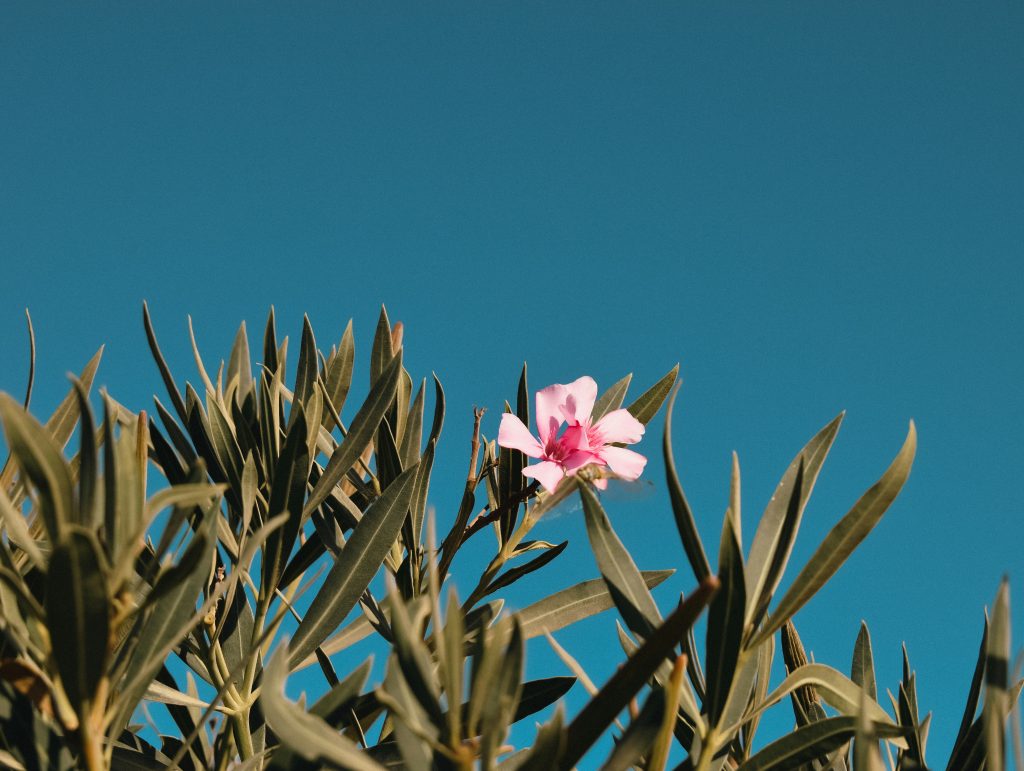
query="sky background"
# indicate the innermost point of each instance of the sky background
(811, 206)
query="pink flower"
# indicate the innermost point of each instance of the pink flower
(581, 444)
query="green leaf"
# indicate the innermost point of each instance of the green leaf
(61, 424)
(997, 668)
(18, 532)
(287, 490)
(805, 744)
(638, 738)
(509, 577)
(415, 661)
(833, 687)
(381, 353)
(777, 529)
(338, 378)
(625, 584)
(568, 606)
(168, 612)
(240, 364)
(308, 367)
(408, 722)
(539, 694)
(971, 709)
(304, 733)
(546, 749)
(358, 563)
(412, 437)
(862, 671)
(165, 372)
(611, 399)
(502, 699)
(40, 458)
(88, 464)
(78, 615)
(843, 538)
(649, 402)
(439, 403)
(270, 343)
(866, 755)
(453, 662)
(600, 711)
(685, 523)
(419, 499)
(511, 464)
(236, 635)
(725, 622)
(359, 435)
(330, 705)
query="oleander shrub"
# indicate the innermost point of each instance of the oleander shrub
(198, 555)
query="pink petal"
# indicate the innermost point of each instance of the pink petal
(626, 463)
(618, 426)
(579, 459)
(515, 436)
(579, 400)
(601, 484)
(549, 414)
(547, 472)
(574, 438)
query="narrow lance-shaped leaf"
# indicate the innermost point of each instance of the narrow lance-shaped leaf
(165, 372)
(685, 523)
(997, 668)
(61, 424)
(168, 609)
(971, 708)
(31, 360)
(87, 467)
(42, 462)
(725, 622)
(834, 688)
(843, 538)
(240, 363)
(287, 491)
(598, 714)
(338, 376)
(625, 583)
(777, 529)
(302, 732)
(611, 399)
(862, 671)
(568, 606)
(808, 743)
(308, 366)
(358, 563)
(78, 615)
(360, 433)
(511, 576)
(381, 353)
(638, 737)
(649, 402)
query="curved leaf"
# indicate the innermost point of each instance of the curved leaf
(600, 711)
(360, 433)
(568, 606)
(649, 402)
(302, 732)
(843, 538)
(356, 566)
(685, 523)
(78, 615)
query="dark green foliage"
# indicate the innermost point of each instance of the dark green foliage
(158, 563)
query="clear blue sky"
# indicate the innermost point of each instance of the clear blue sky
(811, 206)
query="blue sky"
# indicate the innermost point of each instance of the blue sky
(811, 206)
